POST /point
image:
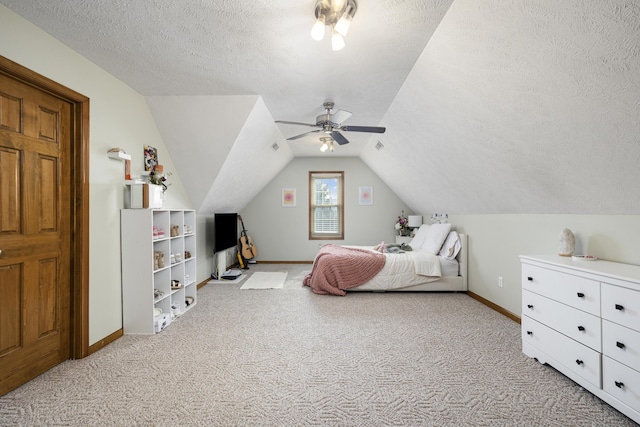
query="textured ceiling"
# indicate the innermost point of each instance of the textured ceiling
(522, 106)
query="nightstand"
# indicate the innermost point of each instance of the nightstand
(403, 239)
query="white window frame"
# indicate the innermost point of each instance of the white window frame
(331, 204)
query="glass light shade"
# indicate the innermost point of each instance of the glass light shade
(337, 42)
(324, 147)
(317, 31)
(342, 26)
(414, 221)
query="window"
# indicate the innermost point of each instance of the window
(326, 205)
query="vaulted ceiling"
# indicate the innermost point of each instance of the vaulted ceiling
(524, 106)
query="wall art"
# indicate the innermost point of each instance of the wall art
(365, 195)
(288, 197)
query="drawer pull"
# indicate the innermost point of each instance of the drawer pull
(529, 333)
(581, 328)
(619, 307)
(529, 306)
(530, 279)
(580, 295)
(619, 384)
(620, 345)
(579, 362)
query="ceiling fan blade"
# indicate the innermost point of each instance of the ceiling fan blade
(296, 123)
(340, 116)
(339, 138)
(371, 129)
(303, 134)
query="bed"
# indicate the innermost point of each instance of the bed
(338, 269)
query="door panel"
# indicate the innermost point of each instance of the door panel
(10, 212)
(10, 108)
(48, 202)
(10, 319)
(35, 266)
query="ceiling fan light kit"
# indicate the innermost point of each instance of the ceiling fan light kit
(329, 124)
(327, 144)
(336, 14)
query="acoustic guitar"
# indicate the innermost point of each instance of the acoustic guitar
(247, 248)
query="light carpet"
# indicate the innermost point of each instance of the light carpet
(265, 280)
(294, 358)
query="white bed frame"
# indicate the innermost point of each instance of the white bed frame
(448, 283)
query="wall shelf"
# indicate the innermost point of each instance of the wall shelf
(118, 155)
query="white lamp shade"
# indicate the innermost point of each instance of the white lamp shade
(337, 42)
(317, 31)
(342, 26)
(415, 221)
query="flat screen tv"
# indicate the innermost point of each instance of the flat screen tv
(225, 228)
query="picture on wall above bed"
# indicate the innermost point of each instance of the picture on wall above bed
(365, 195)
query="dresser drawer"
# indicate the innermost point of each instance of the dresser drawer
(621, 382)
(621, 305)
(582, 327)
(570, 354)
(621, 343)
(575, 291)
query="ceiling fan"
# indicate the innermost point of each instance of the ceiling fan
(330, 123)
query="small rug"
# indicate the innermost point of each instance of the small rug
(265, 280)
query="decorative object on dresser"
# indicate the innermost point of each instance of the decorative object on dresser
(567, 244)
(584, 320)
(158, 283)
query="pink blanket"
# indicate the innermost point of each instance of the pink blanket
(337, 268)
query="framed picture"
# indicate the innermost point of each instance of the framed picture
(150, 158)
(288, 197)
(365, 195)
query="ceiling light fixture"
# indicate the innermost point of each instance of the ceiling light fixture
(336, 14)
(327, 144)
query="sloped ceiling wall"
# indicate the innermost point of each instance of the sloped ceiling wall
(520, 107)
(525, 107)
(222, 147)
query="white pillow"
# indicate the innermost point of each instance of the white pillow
(436, 237)
(420, 236)
(451, 246)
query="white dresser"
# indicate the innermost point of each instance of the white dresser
(583, 318)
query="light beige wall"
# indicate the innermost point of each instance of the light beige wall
(496, 241)
(119, 118)
(281, 234)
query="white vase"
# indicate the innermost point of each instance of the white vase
(567, 244)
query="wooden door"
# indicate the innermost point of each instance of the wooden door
(35, 232)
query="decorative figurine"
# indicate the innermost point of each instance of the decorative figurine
(567, 243)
